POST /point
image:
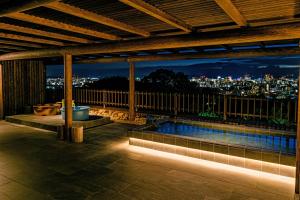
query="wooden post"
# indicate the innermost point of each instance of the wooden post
(298, 143)
(68, 95)
(1, 93)
(77, 134)
(131, 92)
(225, 108)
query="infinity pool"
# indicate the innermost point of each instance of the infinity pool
(283, 144)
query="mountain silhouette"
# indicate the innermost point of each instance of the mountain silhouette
(211, 70)
(233, 69)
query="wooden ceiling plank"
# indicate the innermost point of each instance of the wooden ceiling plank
(158, 14)
(62, 26)
(22, 6)
(76, 11)
(245, 36)
(37, 32)
(231, 10)
(12, 47)
(218, 28)
(4, 50)
(30, 39)
(22, 44)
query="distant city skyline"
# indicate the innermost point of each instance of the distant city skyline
(257, 67)
(268, 86)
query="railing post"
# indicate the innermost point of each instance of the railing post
(225, 108)
(136, 101)
(175, 104)
(104, 98)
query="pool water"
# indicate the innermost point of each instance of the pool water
(281, 143)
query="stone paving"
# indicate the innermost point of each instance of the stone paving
(34, 165)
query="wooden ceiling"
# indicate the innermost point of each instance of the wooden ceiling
(48, 24)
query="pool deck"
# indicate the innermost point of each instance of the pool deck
(34, 165)
(53, 123)
(238, 128)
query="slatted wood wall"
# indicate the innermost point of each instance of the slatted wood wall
(23, 84)
(1, 95)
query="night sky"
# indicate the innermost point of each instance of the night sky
(256, 67)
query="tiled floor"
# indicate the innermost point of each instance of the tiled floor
(34, 165)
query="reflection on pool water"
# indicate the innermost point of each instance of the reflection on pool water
(283, 144)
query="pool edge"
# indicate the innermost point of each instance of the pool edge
(257, 159)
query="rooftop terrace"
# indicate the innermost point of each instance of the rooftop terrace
(36, 33)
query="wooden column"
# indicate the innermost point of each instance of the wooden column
(1, 94)
(225, 108)
(298, 143)
(68, 95)
(131, 92)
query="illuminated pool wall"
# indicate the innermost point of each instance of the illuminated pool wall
(256, 159)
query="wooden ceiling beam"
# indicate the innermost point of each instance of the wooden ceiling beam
(62, 26)
(234, 37)
(158, 14)
(231, 10)
(4, 50)
(30, 39)
(22, 44)
(20, 6)
(11, 47)
(218, 28)
(203, 55)
(102, 60)
(78, 12)
(274, 21)
(37, 32)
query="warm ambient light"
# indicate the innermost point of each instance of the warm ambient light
(212, 164)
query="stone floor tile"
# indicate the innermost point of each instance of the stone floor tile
(34, 165)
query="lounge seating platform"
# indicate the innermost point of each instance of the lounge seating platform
(53, 123)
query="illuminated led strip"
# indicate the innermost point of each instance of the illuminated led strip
(212, 164)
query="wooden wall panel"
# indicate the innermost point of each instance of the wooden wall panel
(24, 83)
(1, 95)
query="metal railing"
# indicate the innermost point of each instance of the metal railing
(186, 103)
